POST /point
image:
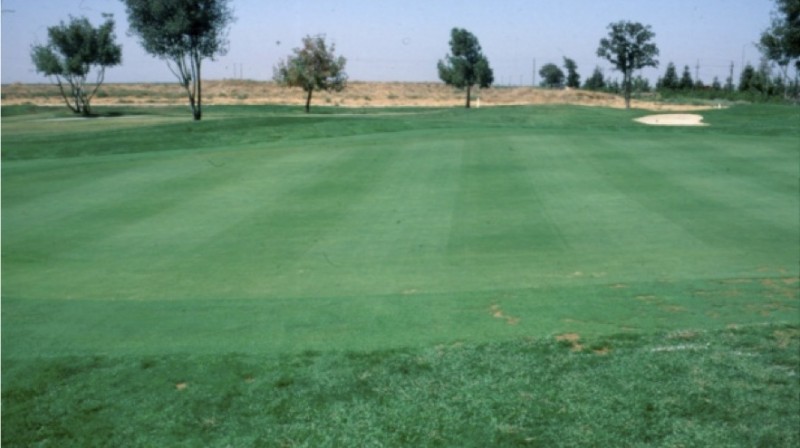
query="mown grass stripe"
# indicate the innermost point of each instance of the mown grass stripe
(498, 210)
(716, 219)
(391, 238)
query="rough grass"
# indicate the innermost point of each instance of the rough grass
(545, 276)
(734, 387)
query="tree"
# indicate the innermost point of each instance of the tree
(780, 43)
(573, 78)
(596, 81)
(746, 79)
(183, 33)
(640, 84)
(466, 66)
(686, 82)
(552, 76)
(762, 81)
(613, 86)
(628, 47)
(72, 51)
(313, 66)
(670, 79)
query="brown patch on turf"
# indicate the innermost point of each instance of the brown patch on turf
(619, 286)
(784, 286)
(785, 337)
(674, 308)
(573, 339)
(181, 386)
(733, 292)
(737, 281)
(602, 351)
(766, 309)
(498, 313)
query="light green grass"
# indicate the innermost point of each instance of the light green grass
(262, 232)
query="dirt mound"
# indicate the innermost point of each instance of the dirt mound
(357, 94)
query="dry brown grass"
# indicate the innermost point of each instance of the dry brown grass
(357, 94)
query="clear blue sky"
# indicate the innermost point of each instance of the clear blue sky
(401, 40)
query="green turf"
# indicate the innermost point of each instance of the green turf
(261, 232)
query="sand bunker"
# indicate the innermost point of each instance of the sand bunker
(673, 120)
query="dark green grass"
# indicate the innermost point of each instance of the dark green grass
(140, 240)
(735, 387)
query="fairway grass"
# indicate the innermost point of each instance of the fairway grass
(278, 257)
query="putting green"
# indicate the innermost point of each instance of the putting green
(259, 230)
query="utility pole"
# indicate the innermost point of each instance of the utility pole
(730, 79)
(697, 72)
(534, 72)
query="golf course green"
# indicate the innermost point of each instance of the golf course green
(368, 277)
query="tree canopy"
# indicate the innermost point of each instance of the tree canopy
(466, 65)
(573, 78)
(314, 66)
(670, 80)
(780, 43)
(72, 51)
(686, 82)
(182, 32)
(628, 47)
(552, 76)
(596, 81)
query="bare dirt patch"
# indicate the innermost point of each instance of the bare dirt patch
(357, 94)
(672, 120)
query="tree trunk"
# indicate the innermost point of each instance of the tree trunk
(308, 100)
(64, 94)
(198, 112)
(626, 81)
(192, 104)
(469, 90)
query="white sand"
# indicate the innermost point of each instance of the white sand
(673, 120)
